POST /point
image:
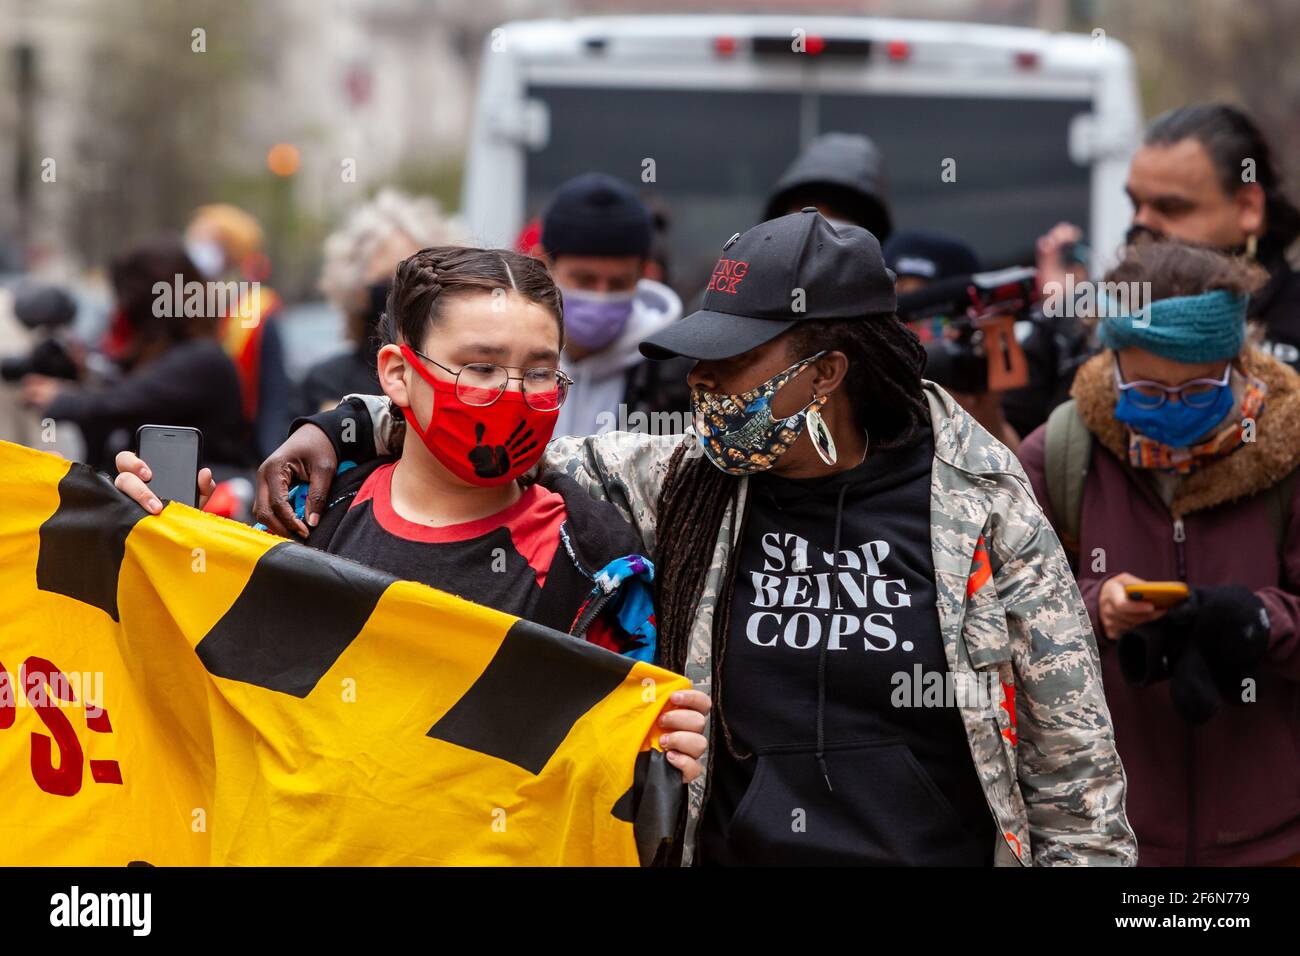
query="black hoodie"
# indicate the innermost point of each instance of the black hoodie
(844, 171)
(821, 678)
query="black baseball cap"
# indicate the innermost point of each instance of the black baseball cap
(796, 268)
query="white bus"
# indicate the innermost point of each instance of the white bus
(1030, 127)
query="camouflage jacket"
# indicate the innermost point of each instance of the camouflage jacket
(1007, 604)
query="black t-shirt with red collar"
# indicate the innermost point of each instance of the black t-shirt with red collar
(536, 559)
(500, 561)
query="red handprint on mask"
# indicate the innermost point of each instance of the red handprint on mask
(493, 461)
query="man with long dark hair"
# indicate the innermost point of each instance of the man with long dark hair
(1206, 175)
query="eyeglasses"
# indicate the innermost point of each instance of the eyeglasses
(481, 383)
(1197, 393)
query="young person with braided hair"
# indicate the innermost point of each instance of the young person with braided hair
(471, 339)
(839, 545)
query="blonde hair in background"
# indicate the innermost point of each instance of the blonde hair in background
(237, 230)
(349, 248)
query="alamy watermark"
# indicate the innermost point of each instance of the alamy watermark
(642, 422)
(181, 299)
(53, 689)
(621, 428)
(1101, 300)
(918, 687)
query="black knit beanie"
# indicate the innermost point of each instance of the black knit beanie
(596, 215)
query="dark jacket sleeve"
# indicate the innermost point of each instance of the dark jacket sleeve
(1033, 459)
(175, 385)
(318, 387)
(348, 427)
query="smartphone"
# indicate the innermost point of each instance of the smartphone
(172, 453)
(1159, 593)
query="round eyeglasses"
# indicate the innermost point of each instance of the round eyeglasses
(482, 383)
(1196, 393)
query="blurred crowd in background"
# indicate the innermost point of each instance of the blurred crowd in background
(313, 261)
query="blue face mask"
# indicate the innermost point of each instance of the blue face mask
(1176, 425)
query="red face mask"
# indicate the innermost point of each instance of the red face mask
(483, 445)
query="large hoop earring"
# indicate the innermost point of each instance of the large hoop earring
(820, 434)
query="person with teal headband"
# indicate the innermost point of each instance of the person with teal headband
(1175, 465)
(1188, 329)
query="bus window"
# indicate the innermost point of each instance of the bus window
(716, 155)
(1014, 178)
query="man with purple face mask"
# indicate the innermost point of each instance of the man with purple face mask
(596, 238)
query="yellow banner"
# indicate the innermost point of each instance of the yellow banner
(186, 690)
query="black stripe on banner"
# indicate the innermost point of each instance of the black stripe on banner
(532, 692)
(82, 544)
(299, 611)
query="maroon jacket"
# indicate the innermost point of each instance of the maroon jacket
(1226, 792)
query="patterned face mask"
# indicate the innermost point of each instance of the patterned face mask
(739, 434)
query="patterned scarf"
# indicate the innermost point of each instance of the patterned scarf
(1144, 452)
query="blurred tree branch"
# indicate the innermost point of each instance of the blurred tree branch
(160, 123)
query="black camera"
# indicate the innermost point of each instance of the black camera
(967, 325)
(48, 311)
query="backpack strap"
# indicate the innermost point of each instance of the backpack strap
(1067, 454)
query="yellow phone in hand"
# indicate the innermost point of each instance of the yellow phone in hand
(1160, 593)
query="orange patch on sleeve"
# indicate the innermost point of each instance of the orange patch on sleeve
(1009, 705)
(980, 571)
